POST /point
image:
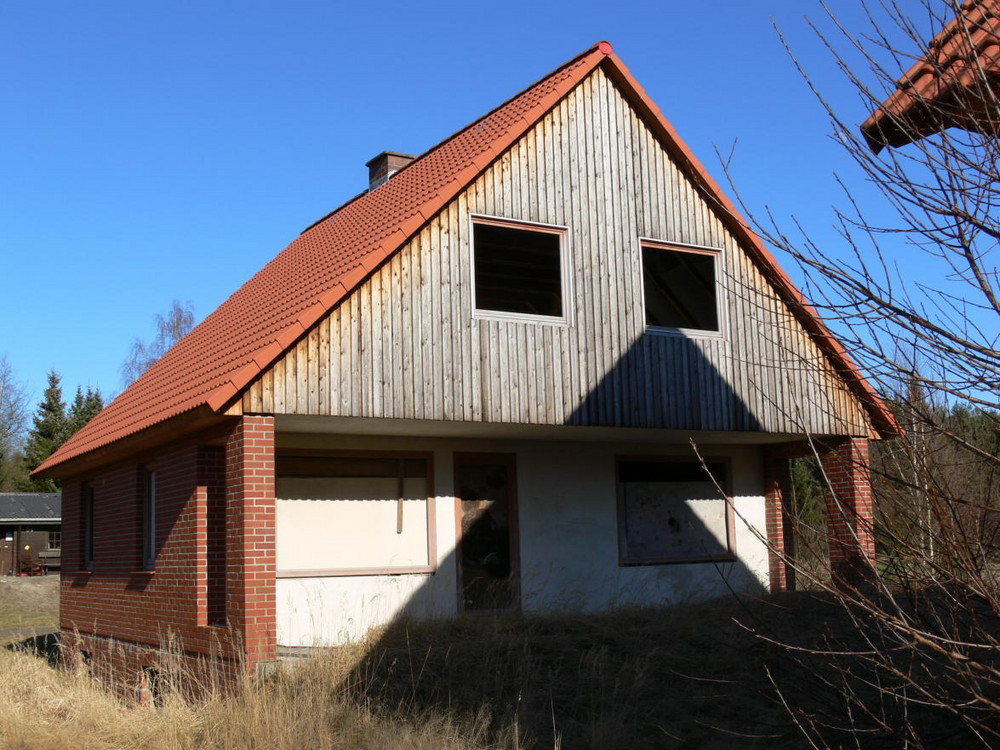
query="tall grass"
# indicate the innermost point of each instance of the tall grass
(689, 676)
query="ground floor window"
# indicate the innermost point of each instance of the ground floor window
(673, 510)
(351, 514)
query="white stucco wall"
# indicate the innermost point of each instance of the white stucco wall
(568, 541)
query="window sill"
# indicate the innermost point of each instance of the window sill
(343, 572)
(508, 317)
(688, 333)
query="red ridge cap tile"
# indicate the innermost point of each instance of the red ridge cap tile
(266, 355)
(332, 296)
(222, 395)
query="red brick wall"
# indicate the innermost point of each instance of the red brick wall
(124, 616)
(777, 492)
(850, 520)
(849, 510)
(250, 579)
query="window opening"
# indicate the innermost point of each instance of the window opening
(518, 269)
(679, 288)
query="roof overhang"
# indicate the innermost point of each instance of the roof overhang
(956, 84)
(176, 429)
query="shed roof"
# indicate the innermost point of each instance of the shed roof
(207, 370)
(30, 506)
(956, 84)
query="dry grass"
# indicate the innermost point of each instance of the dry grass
(685, 677)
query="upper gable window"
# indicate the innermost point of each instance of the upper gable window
(680, 287)
(519, 269)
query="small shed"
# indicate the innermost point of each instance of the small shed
(30, 530)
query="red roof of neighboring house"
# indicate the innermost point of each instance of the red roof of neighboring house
(956, 84)
(205, 372)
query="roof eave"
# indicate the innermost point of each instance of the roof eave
(193, 421)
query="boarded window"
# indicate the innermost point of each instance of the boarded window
(518, 269)
(343, 514)
(672, 511)
(679, 288)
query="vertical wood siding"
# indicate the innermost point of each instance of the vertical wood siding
(406, 344)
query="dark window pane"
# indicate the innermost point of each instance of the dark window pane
(517, 270)
(680, 289)
(487, 582)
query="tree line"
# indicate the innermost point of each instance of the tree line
(23, 448)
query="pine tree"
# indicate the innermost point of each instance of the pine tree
(85, 407)
(49, 431)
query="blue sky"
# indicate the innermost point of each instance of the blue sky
(152, 151)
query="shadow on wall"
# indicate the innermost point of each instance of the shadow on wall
(667, 381)
(665, 509)
(570, 677)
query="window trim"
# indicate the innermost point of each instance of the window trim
(718, 255)
(565, 264)
(431, 516)
(728, 556)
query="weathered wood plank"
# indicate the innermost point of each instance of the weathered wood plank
(408, 343)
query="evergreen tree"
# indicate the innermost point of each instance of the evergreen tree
(85, 407)
(49, 430)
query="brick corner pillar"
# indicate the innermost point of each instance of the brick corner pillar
(850, 515)
(250, 566)
(780, 539)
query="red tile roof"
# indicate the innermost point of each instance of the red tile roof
(208, 369)
(956, 84)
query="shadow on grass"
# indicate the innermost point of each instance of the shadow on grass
(43, 645)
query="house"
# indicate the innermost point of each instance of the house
(955, 85)
(30, 532)
(543, 366)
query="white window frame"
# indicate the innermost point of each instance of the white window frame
(565, 273)
(717, 254)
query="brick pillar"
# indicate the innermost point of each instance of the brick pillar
(850, 516)
(250, 556)
(780, 537)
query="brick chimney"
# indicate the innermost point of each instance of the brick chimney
(385, 165)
